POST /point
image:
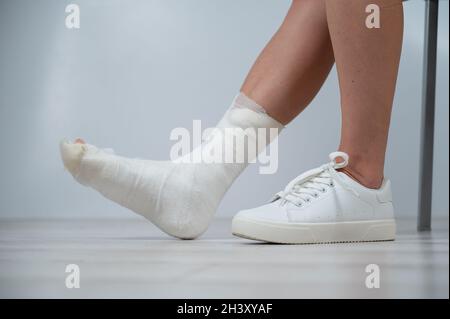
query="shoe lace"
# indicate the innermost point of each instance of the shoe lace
(311, 184)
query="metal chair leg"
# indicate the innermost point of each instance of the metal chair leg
(428, 111)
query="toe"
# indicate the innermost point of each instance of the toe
(72, 154)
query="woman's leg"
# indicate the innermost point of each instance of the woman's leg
(367, 62)
(321, 205)
(293, 66)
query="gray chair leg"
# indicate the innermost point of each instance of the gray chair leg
(428, 110)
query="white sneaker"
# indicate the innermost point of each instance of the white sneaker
(321, 206)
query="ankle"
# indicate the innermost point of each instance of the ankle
(365, 170)
(372, 182)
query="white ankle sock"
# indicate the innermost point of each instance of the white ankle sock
(179, 197)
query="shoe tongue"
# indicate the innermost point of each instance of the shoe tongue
(325, 174)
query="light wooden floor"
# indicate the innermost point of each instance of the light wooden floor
(132, 259)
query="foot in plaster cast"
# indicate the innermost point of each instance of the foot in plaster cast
(179, 198)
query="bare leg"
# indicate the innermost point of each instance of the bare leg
(367, 63)
(293, 66)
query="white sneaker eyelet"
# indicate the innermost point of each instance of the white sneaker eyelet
(323, 190)
(316, 195)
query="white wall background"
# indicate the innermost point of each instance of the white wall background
(136, 69)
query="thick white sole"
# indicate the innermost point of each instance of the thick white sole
(314, 233)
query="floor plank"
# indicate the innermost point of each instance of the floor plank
(132, 259)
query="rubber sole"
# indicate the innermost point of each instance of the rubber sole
(314, 233)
